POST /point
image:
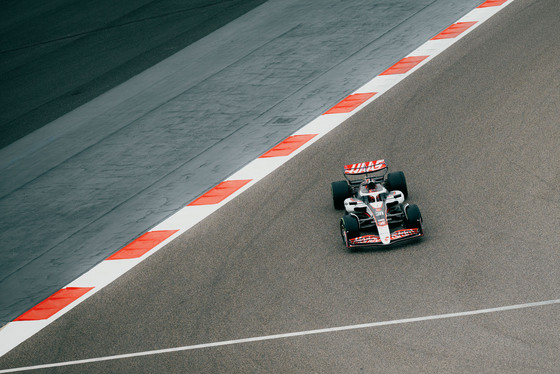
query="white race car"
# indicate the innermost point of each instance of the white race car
(373, 199)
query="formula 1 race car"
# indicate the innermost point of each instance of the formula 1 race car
(374, 203)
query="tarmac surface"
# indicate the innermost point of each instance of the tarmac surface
(81, 187)
(476, 133)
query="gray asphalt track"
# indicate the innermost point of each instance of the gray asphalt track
(83, 186)
(476, 133)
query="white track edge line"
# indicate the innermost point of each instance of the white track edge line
(288, 335)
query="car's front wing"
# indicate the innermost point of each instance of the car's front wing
(396, 236)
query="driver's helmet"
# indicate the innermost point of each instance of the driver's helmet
(369, 187)
(370, 183)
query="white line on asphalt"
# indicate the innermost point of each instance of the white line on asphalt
(286, 335)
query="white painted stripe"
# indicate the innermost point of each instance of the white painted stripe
(15, 333)
(287, 335)
(104, 273)
(101, 275)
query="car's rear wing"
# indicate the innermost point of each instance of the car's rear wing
(365, 167)
(371, 169)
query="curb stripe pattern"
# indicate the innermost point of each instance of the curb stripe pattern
(350, 103)
(220, 192)
(54, 303)
(38, 317)
(289, 145)
(404, 65)
(143, 244)
(492, 3)
(454, 30)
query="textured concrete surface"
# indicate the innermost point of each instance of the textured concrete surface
(83, 186)
(57, 55)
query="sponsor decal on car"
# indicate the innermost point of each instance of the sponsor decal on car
(374, 239)
(404, 233)
(365, 167)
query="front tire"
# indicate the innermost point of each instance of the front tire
(340, 192)
(397, 181)
(349, 228)
(413, 216)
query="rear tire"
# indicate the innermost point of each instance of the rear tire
(397, 181)
(340, 192)
(413, 216)
(349, 228)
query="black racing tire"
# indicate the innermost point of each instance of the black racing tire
(397, 181)
(349, 228)
(413, 216)
(340, 192)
